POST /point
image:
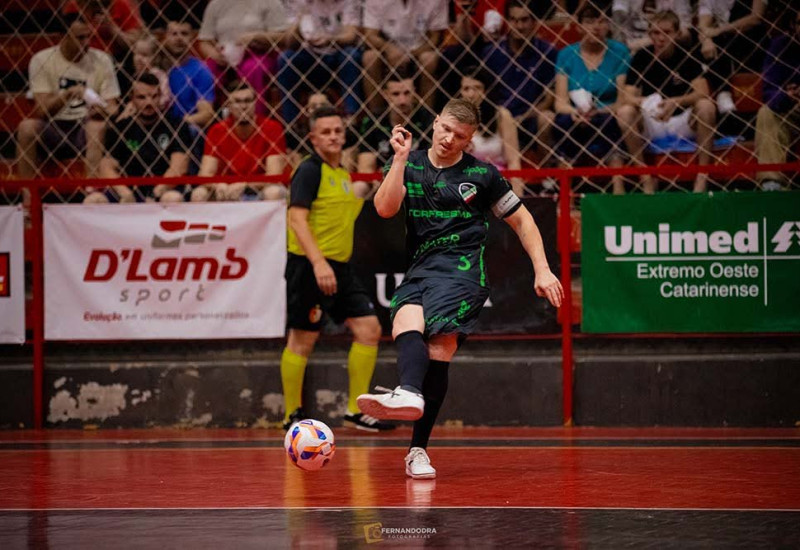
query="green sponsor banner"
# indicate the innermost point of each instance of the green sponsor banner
(721, 262)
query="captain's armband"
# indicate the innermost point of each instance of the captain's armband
(506, 205)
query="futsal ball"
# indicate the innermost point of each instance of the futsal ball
(309, 444)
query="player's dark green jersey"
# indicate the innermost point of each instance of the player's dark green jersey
(447, 215)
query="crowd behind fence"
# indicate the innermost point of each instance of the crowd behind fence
(116, 88)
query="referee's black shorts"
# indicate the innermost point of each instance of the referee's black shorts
(449, 305)
(306, 304)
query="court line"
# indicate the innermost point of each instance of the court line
(336, 508)
(405, 446)
(405, 438)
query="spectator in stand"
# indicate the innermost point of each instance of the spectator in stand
(297, 137)
(731, 36)
(324, 39)
(778, 121)
(243, 144)
(589, 77)
(402, 36)
(667, 96)
(75, 90)
(149, 143)
(495, 139)
(477, 22)
(524, 67)
(115, 24)
(403, 107)
(242, 37)
(632, 20)
(192, 87)
(147, 59)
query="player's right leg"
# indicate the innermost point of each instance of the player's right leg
(405, 402)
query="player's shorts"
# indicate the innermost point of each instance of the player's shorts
(450, 305)
(306, 304)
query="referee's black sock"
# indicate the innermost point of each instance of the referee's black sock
(433, 390)
(412, 360)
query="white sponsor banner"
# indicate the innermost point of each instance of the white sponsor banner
(12, 276)
(165, 271)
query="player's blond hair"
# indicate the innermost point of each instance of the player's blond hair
(463, 111)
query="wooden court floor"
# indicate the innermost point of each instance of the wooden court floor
(496, 487)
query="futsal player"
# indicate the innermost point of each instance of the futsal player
(319, 279)
(447, 195)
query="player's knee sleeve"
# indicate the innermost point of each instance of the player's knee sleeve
(412, 360)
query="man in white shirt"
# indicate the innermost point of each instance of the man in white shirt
(399, 33)
(323, 49)
(75, 89)
(632, 20)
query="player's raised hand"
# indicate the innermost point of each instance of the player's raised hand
(548, 286)
(401, 140)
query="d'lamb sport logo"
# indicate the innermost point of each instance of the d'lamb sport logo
(5, 271)
(177, 231)
(468, 191)
(104, 264)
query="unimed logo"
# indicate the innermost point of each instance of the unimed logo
(623, 240)
(5, 275)
(104, 263)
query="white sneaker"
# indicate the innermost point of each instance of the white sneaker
(396, 404)
(418, 465)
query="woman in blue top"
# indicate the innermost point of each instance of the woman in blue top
(595, 69)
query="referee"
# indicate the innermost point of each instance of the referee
(319, 280)
(447, 195)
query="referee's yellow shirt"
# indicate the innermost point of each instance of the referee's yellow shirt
(332, 210)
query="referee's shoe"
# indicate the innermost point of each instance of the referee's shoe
(396, 404)
(361, 421)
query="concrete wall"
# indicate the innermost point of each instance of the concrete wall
(616, 384)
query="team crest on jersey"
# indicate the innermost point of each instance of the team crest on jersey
(315, 314)
(468, 191)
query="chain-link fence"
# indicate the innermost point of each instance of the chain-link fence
(116, 88)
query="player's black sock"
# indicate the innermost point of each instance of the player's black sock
(412, 360)
(433, 390)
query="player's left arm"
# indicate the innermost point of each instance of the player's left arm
(546, 284)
